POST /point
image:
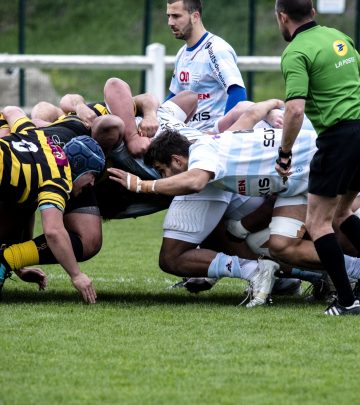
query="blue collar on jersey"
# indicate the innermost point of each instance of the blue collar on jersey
(198, 42)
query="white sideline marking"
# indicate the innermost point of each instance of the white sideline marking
(120, 280)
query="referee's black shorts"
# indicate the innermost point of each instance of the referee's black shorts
(335, 167)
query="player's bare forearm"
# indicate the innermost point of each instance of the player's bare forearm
(59, 242)
(137, 145)
(189, 182)
(293, 119)
(147, 105)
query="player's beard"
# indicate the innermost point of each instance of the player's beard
(185, 33)
(286, 34)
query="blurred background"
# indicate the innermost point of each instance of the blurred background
(123, 27)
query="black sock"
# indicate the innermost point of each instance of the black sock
(45, 254)
(332, 258)
(351, 229)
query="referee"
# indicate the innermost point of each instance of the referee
(321, 71)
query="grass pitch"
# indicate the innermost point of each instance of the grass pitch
(143, 343)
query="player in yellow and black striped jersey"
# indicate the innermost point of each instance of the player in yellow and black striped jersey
(61, 131)
(4, 126)
(33, 172)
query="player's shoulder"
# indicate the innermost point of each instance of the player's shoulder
(180, 52)
(218, 43)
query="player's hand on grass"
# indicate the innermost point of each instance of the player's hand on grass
(33, 275)
(84, 285)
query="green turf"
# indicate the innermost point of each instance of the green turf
(145, 344)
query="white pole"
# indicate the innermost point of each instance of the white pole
(155, 76)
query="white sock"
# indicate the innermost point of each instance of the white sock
(352, 265)
(231, 266)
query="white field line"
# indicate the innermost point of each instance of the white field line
(120, 280)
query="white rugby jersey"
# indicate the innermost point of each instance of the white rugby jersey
(244, 162)
(208, 68)
(171, 116)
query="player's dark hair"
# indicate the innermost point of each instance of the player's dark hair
(297, 10)
(190, 5)
(166, 144)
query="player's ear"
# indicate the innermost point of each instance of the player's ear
(283, 17)
(195, 17)
(178, 160)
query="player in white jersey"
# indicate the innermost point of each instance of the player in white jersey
(241, 161)
(286, 229)
(206, 64)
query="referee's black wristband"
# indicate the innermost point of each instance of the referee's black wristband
(285, 155)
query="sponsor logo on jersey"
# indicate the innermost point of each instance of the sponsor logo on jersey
(269, 138)
(58, 153)
(56, 140)
(242, 187)
(344, 62)
(264, 186)
(204, 116)
(204, 96)
(215, 65)
(184, 76)
(340, 47)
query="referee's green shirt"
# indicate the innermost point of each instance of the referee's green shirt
(322, 66)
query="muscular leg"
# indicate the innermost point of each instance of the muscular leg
(294, 251)
(187, 224)
(109, 131)
(348, 223)
(80, 223)
(118, 98)
(183, 259)
(187, 100)
(233, 115)
(320, 214)
(44, 113)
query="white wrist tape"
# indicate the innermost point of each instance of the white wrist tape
(153, 186)
(133, 183)
(138, 185)
(237, 229)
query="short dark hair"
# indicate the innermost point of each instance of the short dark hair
(166, 144)
(297, 10)
(190, 5)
